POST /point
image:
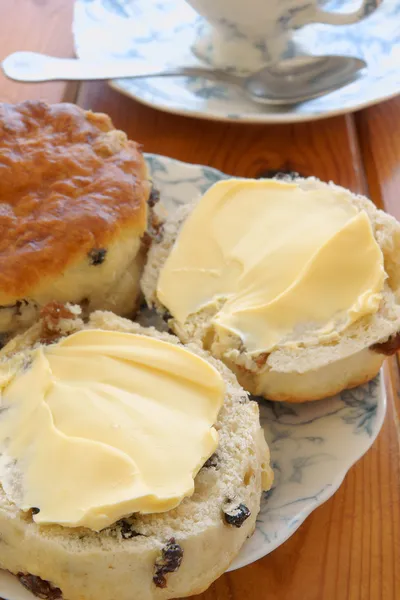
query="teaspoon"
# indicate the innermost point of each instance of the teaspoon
(288, 81)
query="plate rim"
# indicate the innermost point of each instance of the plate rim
(329, 491)
(264, 119)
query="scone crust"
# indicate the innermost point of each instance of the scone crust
(70, 184)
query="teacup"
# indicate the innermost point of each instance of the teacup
(246, 34)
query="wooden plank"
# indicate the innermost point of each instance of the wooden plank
(379, 138)
(379, 133)
(41, 26)
(349, 548)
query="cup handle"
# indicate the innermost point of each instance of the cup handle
(366, 8)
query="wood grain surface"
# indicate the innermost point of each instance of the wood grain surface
(349, 548)
(379, 135)
(40, 26)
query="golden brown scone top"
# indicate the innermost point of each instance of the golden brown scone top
(69, 184)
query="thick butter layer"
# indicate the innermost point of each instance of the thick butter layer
(274, 260)
(104, 424)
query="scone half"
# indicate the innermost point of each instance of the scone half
(311, 369)
(152, 556)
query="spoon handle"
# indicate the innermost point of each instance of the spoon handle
(35, 67)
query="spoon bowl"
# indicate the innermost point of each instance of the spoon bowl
(301, 78)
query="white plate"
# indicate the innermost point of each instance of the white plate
(165, 29)
(312, 445)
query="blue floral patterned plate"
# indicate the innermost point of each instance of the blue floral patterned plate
(312, 445)
(154, 30)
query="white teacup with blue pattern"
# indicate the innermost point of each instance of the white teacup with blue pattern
(245, 34)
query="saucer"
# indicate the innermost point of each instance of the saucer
(166, 30)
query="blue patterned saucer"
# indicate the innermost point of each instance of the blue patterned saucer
(312, 445)
(166, 29)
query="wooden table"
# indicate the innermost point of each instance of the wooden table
(349, 548)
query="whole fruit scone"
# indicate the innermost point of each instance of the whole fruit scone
(74, 195)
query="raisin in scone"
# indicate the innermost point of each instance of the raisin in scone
(192, 451)
(292, 284)
(74, 194)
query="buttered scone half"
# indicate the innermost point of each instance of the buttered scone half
(74, 211)
(292, 284)
(131, 466)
